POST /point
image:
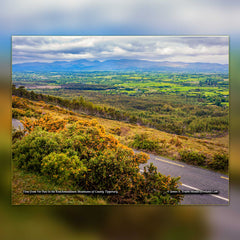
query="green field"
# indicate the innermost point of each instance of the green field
(186, 104)
(80, 128)
(204, 87)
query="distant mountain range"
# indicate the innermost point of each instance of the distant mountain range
(120, 65)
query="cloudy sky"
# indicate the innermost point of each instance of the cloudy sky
(154, 48)
(172, 16)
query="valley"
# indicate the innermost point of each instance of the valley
(124, 119)
(186, 104)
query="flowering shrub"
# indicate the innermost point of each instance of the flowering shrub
(16, 113)
(60, 167)
(21, 107)
(33, 147)
(71, 119)
(116, 131)
(47, 122)
(18, 102)
(90, 159)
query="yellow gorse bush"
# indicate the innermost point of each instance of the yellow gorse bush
(47, 122)
(82, 153)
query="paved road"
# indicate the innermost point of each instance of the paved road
(17, 124)
(194, 178)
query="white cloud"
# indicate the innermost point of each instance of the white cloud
(136, 16)
(53, 48)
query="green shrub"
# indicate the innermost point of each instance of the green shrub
(89, 159)
(17, 134)
(33, 148)
(219, 161)
(141, 141)
(155, 186)
(106, 171)
(192, 157)
(17, 113)
(60, 167)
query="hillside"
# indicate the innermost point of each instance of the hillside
(170, 144)
(121, 65)
(56, 123)
(124, 131)
(175, 108)
(73, 151)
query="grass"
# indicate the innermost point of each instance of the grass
(28, 181)
(23, 181)
(208, 146)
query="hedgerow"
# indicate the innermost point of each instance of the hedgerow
(219, 161)
(193, 157)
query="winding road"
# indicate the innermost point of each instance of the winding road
(194, 178)
(16, 124)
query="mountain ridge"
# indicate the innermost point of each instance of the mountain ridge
(120, 65)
